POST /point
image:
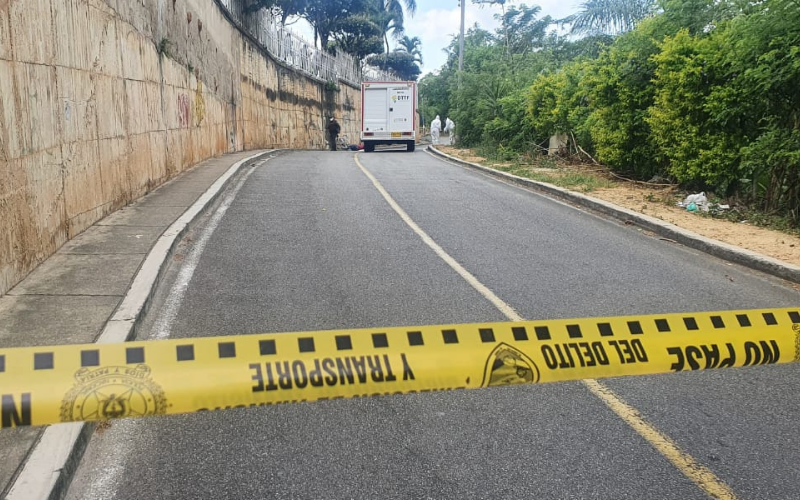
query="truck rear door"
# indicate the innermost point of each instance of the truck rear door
(401, 110)
(375, 109)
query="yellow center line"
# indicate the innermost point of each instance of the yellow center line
(506, 309)
(696, 472)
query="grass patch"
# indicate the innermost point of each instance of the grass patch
(577, 181)
(497, 154)
(540, 168)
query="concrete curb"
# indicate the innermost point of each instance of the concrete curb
(51, 463)
(716, 248)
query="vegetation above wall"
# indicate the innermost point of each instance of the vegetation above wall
(361, 28)
(698, 92)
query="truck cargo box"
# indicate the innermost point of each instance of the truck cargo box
(388, 114)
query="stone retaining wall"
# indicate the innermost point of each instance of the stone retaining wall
(103, 100)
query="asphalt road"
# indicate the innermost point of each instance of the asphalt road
(308, 243)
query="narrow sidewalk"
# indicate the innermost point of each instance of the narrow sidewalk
(70, 297)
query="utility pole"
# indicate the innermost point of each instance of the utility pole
(461, 33)
(461, 38)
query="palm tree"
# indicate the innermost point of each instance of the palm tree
(411, 46)
(391, 17)
(610, 16)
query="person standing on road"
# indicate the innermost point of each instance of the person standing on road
(449, 127)
(333, 133)
(436, 127)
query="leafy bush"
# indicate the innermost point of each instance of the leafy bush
(619, 89)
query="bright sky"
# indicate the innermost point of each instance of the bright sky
(436, 21)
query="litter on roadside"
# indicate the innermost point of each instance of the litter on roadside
(699, 202)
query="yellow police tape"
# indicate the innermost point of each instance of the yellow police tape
(44, 385)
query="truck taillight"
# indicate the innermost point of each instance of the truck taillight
(368, 134)
(408, 133)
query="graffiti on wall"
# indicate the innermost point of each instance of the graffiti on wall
(199, 104)
(184, 110)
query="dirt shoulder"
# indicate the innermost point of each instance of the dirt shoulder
(655, 201)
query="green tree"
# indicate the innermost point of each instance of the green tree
(391, 17)
(521, 28)
(564, 50)
(727, 110)
(700, 151)
(509, 130)
(401, 64)
(357, 35)
(327, 17)
(484, 81)
(763, 62)
(283, 9)
(610, 16)
(558, 103)
(411, 46)
(434, 93)
(695, 16)
(619, 92)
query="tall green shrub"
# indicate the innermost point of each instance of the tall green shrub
(701, 151)
(619, 91)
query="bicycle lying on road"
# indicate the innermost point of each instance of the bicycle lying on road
(344, 144)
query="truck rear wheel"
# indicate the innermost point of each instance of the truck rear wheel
(368, 147)
(410, 146)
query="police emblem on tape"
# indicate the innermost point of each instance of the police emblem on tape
(113, 392)
(507, 365)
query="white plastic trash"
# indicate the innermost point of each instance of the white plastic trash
(699, 200)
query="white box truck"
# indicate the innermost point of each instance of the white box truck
(388, 114)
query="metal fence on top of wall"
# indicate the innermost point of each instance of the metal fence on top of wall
(298, 53)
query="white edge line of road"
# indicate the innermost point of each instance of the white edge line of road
(717, 248)
(169, 311)
(42, 476)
